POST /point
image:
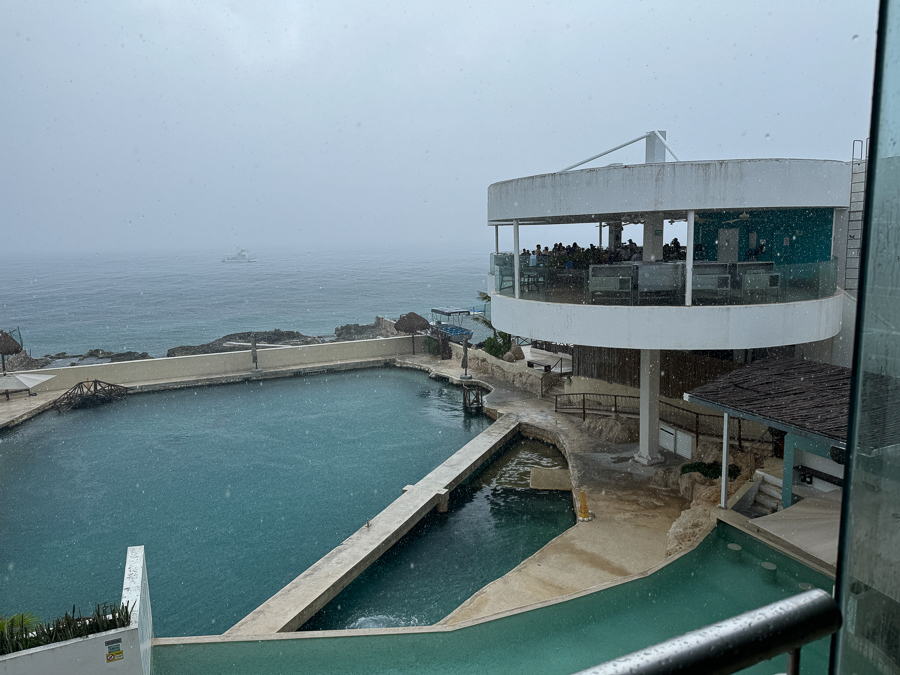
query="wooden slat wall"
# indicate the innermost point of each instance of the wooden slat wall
(681, 371)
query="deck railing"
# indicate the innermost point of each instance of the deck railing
(699, 424)
(737, 643)
(663, 283)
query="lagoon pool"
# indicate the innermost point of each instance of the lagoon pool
(234, 490)
(711, 583)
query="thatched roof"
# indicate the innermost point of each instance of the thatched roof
(411, 323)
(8, 345)
(794, 395)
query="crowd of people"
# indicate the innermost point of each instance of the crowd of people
(575, 256)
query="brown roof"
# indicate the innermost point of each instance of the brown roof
(791, 394)
(8, 344)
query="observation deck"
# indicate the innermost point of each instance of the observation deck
(642, 305)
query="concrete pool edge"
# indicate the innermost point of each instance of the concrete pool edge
(439, 627)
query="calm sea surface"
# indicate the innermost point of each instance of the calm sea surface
(151, 302)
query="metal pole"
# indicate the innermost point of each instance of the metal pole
(724, 502)
(793, 664)
(689, 263)
(516, 257)
(583, 407)
(606, 152)
(663, 141)
(496, 239)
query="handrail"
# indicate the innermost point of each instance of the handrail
(737, 643)
(668, 413)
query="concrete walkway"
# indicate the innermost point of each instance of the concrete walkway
(628, 534)
(21, 407)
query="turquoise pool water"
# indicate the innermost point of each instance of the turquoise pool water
(494, 522)
(233, 490)
(711, 583)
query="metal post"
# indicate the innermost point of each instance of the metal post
(689, 263)
(496, 239)
(516, 257)
(583, 407)
(724, 502)
(793, 664)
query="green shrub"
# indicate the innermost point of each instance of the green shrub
(711, 470)
(499, 345)
(432, 346)
(20, 632)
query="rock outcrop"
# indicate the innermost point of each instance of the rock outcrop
(378, 329)
(271, 337)
(614, 429)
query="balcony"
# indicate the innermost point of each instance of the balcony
(662, 284)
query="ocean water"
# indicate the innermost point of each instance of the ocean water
(152, 302)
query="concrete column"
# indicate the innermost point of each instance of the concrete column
(516, 257)
(496, 239)
(615, 236)
(653, 237)
(787, 476)
(649, 422)
(689, 263)
(724, 501)
(654, 150)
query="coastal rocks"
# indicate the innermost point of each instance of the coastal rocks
(381, 327)
(614, 429)
(22, 361)
(270, 337)
(509, 358)
(115, 357)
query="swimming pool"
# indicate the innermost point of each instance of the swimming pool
(711, 583)
(495, 521)
(234, 490)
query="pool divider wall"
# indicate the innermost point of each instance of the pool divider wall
(180, 368)
(297, 602)
(124, 651)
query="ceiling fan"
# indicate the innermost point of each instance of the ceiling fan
(743, 218)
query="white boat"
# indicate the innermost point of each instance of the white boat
(240, 256)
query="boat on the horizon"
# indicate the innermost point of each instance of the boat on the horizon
(240, 256)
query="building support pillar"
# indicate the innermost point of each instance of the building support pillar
(649, 422)
(689, 262)
(653, 237)
(724, 501)
(516, 258)
(496, 239)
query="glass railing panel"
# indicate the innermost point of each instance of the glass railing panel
(662, 284)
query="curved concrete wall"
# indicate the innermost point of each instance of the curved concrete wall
(672, 187)
(722, 327)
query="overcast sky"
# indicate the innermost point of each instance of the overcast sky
(177, 125)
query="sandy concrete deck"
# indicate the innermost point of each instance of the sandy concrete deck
(21, 407)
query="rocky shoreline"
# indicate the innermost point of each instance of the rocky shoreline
(379, 328)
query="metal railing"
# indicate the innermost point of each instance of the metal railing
(700, 424)
(737, 643)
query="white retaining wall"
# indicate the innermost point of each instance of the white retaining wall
(227, 363)
(98, 654)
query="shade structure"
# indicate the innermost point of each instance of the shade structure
(12, 381)
(8, 344)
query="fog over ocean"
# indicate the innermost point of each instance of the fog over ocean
(152, 301)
